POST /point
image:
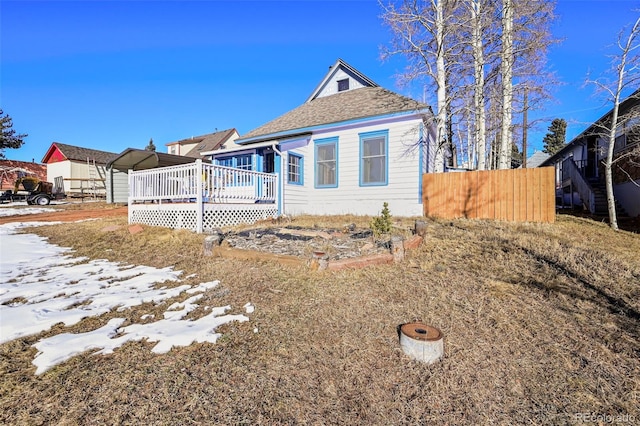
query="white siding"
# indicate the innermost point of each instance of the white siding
(61, 168)
(231, 142)
(404, 176)
(296, 197)
(181, 149)
(331, 87)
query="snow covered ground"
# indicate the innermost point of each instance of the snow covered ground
(42, 284)
(13, 209)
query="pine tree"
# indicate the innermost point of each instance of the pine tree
(516, 156)
(556, 138)
(151, 146)
(382, 224)
(9, 138)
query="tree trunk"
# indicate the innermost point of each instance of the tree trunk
(504, 154)
(627, 49)
(478, 85)
(608, 176)
(442, 89)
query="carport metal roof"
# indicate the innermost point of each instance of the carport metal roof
(141, 159)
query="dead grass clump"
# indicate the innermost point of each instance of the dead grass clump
(540, 324)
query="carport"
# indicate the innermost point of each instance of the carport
(135, 159)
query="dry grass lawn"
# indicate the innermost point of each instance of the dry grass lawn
(541, 325)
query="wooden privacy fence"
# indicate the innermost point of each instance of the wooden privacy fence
(518, 195)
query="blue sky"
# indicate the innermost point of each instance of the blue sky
(112, 74)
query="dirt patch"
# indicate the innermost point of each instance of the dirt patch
(331, 244)
(68, 215)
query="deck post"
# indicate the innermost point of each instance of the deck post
(129, 197)
(199, 201)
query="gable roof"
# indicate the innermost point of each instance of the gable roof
(77, 153)
(209, 142)
(354, 104)
(341, 65)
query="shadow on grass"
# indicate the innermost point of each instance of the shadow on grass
(627, 316)
(630, 224)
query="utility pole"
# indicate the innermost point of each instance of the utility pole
(524, 130)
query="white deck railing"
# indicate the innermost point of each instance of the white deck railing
(200, 182)
(201, 196)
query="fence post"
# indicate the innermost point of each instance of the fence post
(199, 202)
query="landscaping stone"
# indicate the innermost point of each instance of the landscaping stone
(135, 229)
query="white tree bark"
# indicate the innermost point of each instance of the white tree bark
(627, 49)
(441, 117)
(478, 84)
(504, 153)
(627, 75)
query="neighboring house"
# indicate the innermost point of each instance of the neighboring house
(536, 159)
(83, 169)
(193, 146)
(11, 170)
(117, 170)
(348, 149)
(580, 170)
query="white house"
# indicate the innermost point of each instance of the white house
(350, 147)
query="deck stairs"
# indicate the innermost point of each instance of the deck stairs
(599, 189)
(592, 191)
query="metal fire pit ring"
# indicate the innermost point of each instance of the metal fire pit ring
(419, 331)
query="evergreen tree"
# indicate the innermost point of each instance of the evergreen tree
(382, 224)
(516, 156)
(151, 146)
(9, 138)
(556, 138)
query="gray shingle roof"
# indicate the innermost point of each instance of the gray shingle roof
(537, 159)
(343, 106)
(77, 153)
(209, 142)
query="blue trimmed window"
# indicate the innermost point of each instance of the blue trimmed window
(226, 162)
(326, 163)
(374, 158)
(245, 162)
(294, 169)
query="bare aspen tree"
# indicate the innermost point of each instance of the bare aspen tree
(476, 66)
(419, 29)
(532, 82)
(626, 72)
(479, 134)
(506, 71)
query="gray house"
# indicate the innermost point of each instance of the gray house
(579, 164)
